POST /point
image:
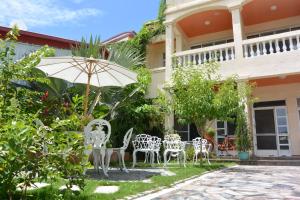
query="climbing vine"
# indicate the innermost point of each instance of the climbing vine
(149, 30)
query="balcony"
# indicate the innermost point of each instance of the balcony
(278, 44)
(273, 44)
(220, 53)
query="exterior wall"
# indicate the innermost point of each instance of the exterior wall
(158, 80)
(23, 49)
(290, 93)
(154, 58)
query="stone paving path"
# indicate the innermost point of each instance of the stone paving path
(239, 182)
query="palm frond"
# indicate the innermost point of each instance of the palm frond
(125, 55)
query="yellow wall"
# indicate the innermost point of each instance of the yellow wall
(289, 93)
(154, 57)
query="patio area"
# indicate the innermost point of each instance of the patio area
(238, 182)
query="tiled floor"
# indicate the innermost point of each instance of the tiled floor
(240, 182)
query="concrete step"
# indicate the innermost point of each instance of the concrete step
(279, 161)
(271, 162)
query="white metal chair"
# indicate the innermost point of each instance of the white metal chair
(97, 133)
(120, 151)
(173, 145)
(142, 143)
(155, 144)
(199, 143)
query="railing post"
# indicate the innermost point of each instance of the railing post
(237, 31)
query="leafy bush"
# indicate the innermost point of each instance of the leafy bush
(243, 141)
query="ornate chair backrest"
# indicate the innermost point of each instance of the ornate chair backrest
(127, 138)
(97, 133)
(197, 144)
(142, 141)
(173, 142)
(155, 143)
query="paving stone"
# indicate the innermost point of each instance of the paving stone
(106, 189)
(240, 182)
(74, 188)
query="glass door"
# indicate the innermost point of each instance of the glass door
(271, 131)
(265, 129)
(282, 131)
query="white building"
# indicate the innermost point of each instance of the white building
(259, 40)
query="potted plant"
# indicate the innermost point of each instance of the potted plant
(243, 142)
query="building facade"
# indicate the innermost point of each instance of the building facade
(258, 40)
(29, 42)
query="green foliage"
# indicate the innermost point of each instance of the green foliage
(190, 153)
(144, 115)
(243, 141)
(161, 11)
(30, 153)
(92, 48)
(148, 31)
(125, 55)
(211, 132)
(198, 97)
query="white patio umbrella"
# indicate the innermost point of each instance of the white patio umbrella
(89, 71)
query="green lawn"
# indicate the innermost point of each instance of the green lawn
(129, 188)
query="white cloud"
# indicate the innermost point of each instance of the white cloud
(20, 23)
(41, 13)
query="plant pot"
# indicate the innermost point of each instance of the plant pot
(243, 155)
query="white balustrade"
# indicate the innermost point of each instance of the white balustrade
(273, 44)
(219, 53)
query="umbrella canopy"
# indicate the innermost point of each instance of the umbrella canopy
(89, 71)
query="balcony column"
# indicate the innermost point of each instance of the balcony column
(237, 26)
(169, 50)
(169, 118)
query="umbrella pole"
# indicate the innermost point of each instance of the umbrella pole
(87, 91)
(86, 98)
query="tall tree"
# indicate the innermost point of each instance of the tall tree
(199, 95)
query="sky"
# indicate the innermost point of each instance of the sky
(74, 19)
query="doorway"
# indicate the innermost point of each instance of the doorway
(271, 129)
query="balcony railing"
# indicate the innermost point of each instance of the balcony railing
(267, 45)
(220, 53)
(177, 2)
(273, 44)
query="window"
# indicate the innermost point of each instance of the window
(225, 135)
(164, 59)
(209, 44)
(187, 132)
(273, 32)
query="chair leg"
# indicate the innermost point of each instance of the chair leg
(152, 158)
(134, 159)
(158, 157)
(146, 157)
(103, 162)
(184, 158)
(122, 154)
(120, 159)
(208, 158)
(165, 158)
(108, 154)
(96, 161)
(196, 156)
